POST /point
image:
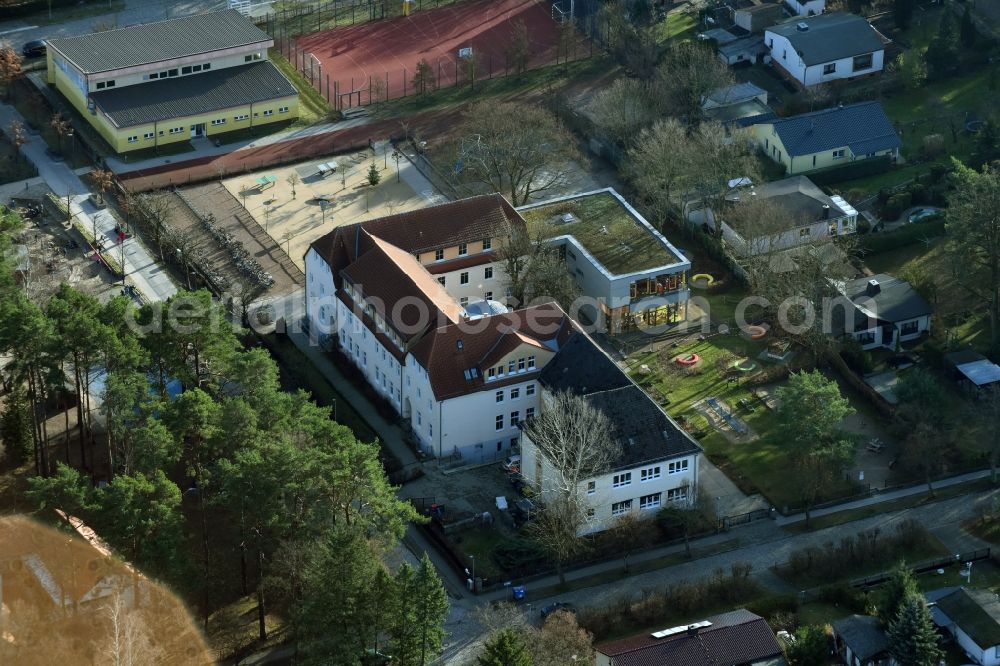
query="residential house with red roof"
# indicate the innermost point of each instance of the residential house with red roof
(736, 638)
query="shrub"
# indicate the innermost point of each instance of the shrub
(918, 193)
(845, 597)
(851, 170)
(929, 227)
(517, 555)
(856, 357)
(933, 145)
(774, 605)
(896, 204)
(939, 171)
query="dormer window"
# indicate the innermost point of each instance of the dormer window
(438, 255)
(487, 243)
(463, 249)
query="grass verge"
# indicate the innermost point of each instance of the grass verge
(922, 499)
(634, 569)
(313, 107)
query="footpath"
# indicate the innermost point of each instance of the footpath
(149, 278)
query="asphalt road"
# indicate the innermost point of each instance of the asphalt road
(21, 30)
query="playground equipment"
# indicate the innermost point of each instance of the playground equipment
(756, 332)
(745, 365)
(689, 360)
(702, 280)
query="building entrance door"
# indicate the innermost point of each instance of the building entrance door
(197, 130)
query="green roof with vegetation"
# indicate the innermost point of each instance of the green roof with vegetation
(605, 228)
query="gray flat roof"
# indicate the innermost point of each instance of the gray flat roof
(981, 372)
(191, 95)
(156, 42)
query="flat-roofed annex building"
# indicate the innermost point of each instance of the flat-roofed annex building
(148, 85)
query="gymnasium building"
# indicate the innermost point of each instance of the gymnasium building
(153, 84)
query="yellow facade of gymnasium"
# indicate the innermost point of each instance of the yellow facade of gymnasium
(152, 135)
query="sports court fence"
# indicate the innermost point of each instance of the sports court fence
(305, 18)
(442, 73)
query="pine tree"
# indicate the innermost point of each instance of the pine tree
(897, 589)
(967, 30)
(15, 427)
(374, 177)
(913, 641)
(505, 649)
(902, 12)
(422, 605)
(942, 53)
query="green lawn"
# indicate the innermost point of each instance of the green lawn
(677, 26)
(313, 107)
(959, 313)
(758, 466)
(871, 185)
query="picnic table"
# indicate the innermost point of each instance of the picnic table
(875, 445)
(327, 167)
(266, 181)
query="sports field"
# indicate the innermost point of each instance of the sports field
(346, 60)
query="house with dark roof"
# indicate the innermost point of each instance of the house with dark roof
(804, 215)
(658, 463)
(860, 641)
(152, 84)
(736, 638)
(830, 47)
(828, 138)
(972, 617)
(879, 311)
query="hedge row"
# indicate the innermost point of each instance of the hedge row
(911, 234)
(851, 170)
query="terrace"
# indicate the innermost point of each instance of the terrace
(607, 228)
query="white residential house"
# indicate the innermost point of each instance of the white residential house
(880, 311)
(972, 617)
(413, 301)
(829, 47)
(806, 8)
(809, 215)
(658, 465)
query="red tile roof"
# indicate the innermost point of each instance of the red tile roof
(735, 638)
(387, 277)
(446, 361)
(464, 221)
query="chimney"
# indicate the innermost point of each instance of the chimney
(873, 287)
(802, 26)
(692, 630)
(826, 211)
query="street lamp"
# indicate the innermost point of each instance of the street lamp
(396, 155)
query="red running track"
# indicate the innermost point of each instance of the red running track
(391, 49)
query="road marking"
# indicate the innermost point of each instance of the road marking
(7, 32)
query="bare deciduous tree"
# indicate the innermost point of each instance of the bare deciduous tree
(658, 166)
(623, 109)
(514, 148)
(562, 641)
(157, 206)
(10, 68)
(103, 181)
(519, 48)
(689, 71)
(575, 442)
(292, 179)
(128, 640)
(424, 79)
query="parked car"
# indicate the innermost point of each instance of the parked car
(921, 213)
(34, 49)
(557, 606)
(512, 463)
